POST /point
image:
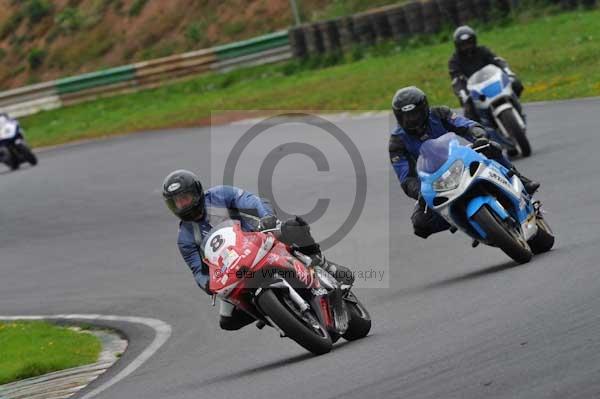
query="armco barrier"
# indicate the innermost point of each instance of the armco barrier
(33, 106)
(27, 100)
(95, 79)
(265, 57)
(162, 69)
(252, 46)
(28, 93)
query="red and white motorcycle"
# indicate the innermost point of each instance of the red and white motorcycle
(275, 284)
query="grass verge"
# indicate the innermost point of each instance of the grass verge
(557, 57)
(30, 349)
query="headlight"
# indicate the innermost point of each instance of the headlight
(451, 178)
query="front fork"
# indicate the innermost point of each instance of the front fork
(516, 112)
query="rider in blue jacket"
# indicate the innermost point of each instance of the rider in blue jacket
(418, 123)
(199, 210)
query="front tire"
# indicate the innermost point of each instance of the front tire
(28, 155)
(510, 123)
(316, 342)
(498, 234)
(13, 162)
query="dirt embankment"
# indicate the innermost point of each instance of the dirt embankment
(45, 39)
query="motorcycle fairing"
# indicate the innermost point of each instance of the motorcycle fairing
(477, 168)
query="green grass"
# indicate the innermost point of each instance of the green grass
(557, 57)
(29, 349)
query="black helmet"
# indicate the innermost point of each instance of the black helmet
(465, 39)
(411, 110)
(184, 195)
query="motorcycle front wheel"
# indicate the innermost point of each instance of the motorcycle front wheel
(510, 123)
(304, 329)
(503, 236)
(27, 154)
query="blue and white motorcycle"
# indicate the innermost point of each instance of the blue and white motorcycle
(499, 108)
(13, 148)
(482, 198)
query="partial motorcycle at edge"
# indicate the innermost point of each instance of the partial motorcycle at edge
(13, 149)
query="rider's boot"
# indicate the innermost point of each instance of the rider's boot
(341, 273)
(531, 186)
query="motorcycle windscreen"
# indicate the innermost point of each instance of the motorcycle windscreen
(8, 129)
(492, 90)
(483, 75)
(434, 153)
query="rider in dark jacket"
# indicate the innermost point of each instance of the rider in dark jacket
(418, 123)
(198, 211)
(467, 59)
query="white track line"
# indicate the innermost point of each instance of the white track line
(162, 330)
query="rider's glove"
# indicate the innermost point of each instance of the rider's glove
(267, 223)
(490, 148)
(480, 142)
(477, 132)
(412, 187)
(510, 73)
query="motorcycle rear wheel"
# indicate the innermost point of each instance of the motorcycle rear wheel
(543, 241)
(499, 235)
(306, 336)
(508, 120)
(359, 323)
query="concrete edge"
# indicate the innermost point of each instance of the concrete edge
(74, 380)
(58, 384)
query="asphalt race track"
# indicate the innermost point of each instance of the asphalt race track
(86, 232)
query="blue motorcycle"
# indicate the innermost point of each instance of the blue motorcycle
(482, 198)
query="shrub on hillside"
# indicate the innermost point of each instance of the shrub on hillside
(36, 58)
(69, 20)
(136, 7)
(36, 10)
(194, 32)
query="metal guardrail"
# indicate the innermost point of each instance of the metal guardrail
(28, 100)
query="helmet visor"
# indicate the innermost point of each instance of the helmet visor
(466, 44)
(415, 118)
(184, 202)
